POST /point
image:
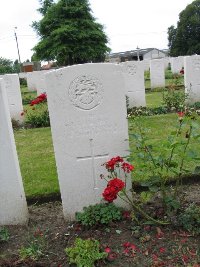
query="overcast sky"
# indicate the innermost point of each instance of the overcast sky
(127, 23)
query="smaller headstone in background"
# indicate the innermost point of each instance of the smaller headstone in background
(133, 73)
(176, 64)
(192, 78)
(13, 91)
(13, 207)
(31, 82)
(157, 73)
(39, 77)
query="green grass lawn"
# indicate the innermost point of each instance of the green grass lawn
(154, 99)
(37, 161)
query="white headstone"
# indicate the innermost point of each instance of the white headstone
(192, 78)
(12, 85)
(13, 208)
(157, 73)
(31, 81)
(89, 126)
(176, 64)
(134, 83)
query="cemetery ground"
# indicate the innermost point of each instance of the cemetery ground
(127, 242)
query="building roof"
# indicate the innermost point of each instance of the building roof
(133, 52)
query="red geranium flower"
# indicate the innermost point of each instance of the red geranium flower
(181, 114)
(117, 183)
(110, 165)
(127, 167)
(39, 99)
(109, 194)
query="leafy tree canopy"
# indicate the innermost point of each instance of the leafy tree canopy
(8, 66)
(69, 33)
(185, 39)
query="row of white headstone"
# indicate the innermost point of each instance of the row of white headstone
(87, 104)
(36, 81)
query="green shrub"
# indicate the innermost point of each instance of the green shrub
(190, 219)
(174, 99)
(144, 111)
(85, 252)
(23, 82)
(38, 116)
(103, 213)
(168, 74)
(195, 105)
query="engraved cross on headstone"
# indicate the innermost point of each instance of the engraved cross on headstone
(92, 156)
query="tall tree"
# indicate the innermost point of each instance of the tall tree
(45, 4)
(70, 34)
(185, 39)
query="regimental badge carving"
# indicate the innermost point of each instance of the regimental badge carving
(131, 69)
(86, 92)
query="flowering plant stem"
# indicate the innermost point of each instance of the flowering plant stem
(141, 211)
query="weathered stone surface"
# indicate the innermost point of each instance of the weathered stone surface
(192, 78)
(157, 73)
(88, 120)
(13, 91)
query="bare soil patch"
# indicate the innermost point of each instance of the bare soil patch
(129, 244)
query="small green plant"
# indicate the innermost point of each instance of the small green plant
(84, 253)
(33, 251)
(189, 219)
(4, 234)
(103, 213)
(35, 247)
